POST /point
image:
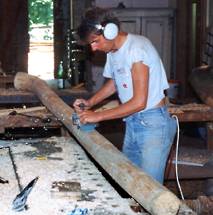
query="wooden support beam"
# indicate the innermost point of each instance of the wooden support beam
(154, 197)
(12, 96)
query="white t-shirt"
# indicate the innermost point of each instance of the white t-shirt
(118, 66)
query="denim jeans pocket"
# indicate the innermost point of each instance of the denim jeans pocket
(153, 120)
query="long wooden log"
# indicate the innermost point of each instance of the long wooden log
(154, 197)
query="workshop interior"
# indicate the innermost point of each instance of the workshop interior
(51, 162)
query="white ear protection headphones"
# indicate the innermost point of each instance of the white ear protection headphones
(110, 30)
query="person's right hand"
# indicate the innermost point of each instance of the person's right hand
(77, 105)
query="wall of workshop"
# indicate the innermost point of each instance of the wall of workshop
(79, 9)
(136, 3)
(14, 35)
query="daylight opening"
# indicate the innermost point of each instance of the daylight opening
(41, 52)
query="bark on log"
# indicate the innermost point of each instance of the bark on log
(154, 197)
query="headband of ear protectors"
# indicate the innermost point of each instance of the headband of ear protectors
(110, 30)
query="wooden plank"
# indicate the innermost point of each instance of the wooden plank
(14, 96)
(195, 116)
(185, 113)
(154, 197)
(5, 112)
(201, 113)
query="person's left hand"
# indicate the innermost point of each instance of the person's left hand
(89, 116)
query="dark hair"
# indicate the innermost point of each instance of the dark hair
(95, 16)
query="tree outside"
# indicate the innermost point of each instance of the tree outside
(41, 55)
(41, 19)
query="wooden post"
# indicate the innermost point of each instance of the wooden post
(154, 197)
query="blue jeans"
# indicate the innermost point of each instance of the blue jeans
(148, 139)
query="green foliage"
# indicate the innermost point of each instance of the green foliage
(40, 12)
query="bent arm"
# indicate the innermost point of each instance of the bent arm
(140, 79)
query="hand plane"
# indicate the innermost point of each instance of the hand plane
(88, 127)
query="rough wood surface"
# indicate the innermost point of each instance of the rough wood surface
(30, 119)
(154, 197)
(5, 112)
(191, 112)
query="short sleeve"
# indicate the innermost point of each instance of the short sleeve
(137, 55)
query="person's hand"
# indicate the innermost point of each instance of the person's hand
(78, 105)
(89, 116)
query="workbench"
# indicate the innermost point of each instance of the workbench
(13, 98)
(56, 160)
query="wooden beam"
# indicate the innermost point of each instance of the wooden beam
(5, 112)
(195, 116)
(14, 96)
(154, 197)
(183, 44)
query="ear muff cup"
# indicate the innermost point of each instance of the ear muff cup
(110, 31)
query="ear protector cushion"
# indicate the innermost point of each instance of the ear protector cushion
(110, 30)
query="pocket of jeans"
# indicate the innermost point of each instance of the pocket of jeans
(155, 120)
